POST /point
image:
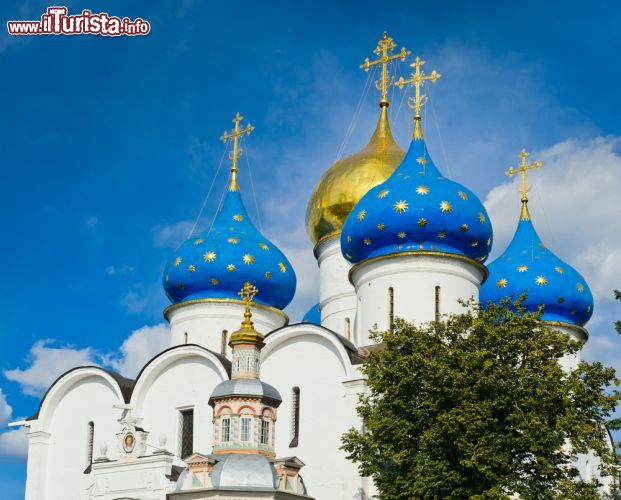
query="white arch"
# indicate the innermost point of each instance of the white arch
(154, 368)
(307, 331)
(64, 384)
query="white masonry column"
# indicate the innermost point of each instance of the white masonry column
(36, 479)
(337, 299)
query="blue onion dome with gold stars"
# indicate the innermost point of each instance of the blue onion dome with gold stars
(417, 209)
(528, 267)
(313, 315)
(217, 263)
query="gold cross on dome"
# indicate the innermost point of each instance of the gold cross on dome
(384, 52)
(248, 292)
(234, 155)
(417, 81)
(523, 168)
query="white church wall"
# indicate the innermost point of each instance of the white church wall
(205, 321)
(337, 298)
(178, 379)
(312, 359)
(84, 395)
(413, 279)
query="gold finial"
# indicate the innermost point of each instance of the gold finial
(523, 168)
(419, 100)
(234, 155)
(384, 52)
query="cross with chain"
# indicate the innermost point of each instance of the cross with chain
(417, 81)
(523, 168)
(234, 155)
(384, 52)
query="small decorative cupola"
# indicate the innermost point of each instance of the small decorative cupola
(528, 267)
(313, 315)
(245, 407)
(417, 209)
(215, 264)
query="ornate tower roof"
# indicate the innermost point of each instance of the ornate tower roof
(527, 266)
(232, 251)
(417, 209)
(340, 188)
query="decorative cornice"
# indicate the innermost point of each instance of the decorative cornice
(580, 329)
(425, 253)
(173, 307)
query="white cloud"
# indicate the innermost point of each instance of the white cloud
(114, 270)
(90, 220)
(47, 363)
(140, 347)
(172, 235)
(13, 443)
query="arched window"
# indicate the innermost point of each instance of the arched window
(186, 432)
(295, 417)
(246, 429)
(437, 302)
(391, 308)
(223, 342)
(226, 429)
(90, 436)
(347, 329)
(265, 431)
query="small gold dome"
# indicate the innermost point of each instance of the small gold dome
(349, 179)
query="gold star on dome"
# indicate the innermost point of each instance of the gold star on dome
(167, 278)
(268, 275)
(442, 234)
(559, 269)
(446, 207)
(209, 256)
(422, 222)
(248, 259)
(462, 195)
(422, 190)
(238, 217)
(489, 242)
(361, 215)
(382, 194)
(561, 300)
(464, 227)
(282, 267)
(580, 287)
(380, 226)
(177, 262)
(502, 283)
(421, 160)
(588, 309)
(230, 268)
(199, 241)
(481, 218)
(214, 281)
(233, 241)
(263, 246)
(191, 268)
(541, 280)
(522, 269)
(401, 234)
(400, 206)
(366, 241)
(181, 286)
(475, 243)
(573, 311)
(348, 239)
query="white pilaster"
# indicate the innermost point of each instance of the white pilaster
(337, 298)
(36, 481)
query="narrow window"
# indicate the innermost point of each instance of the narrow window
(226, 430)
(90, 435)
(391, 308)
(246, 424)
(186, 425)
(295, 417)
(185, 337)
(437, 315)
(347, 329)
(223, 342)
(265, 431)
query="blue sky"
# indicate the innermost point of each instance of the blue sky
(108, 147)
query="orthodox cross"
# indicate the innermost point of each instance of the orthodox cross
(384, 52)
(247, 293)
(523, 168)
(417, 81)
(234, 155)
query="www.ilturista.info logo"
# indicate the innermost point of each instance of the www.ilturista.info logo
(56, 21)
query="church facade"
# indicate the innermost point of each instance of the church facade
(393, 238)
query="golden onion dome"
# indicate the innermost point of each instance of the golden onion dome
(349, 179)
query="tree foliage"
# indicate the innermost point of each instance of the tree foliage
(478, 406)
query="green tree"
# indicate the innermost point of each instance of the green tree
(478, 406)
